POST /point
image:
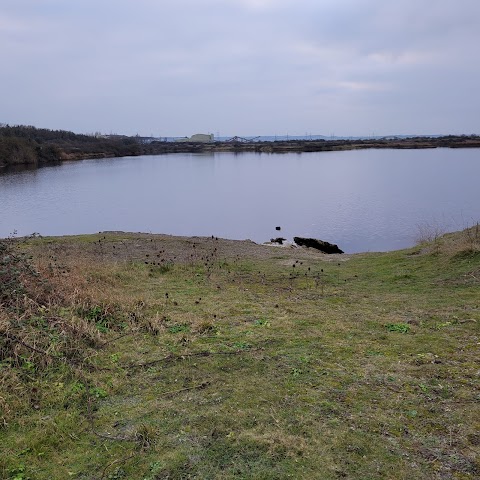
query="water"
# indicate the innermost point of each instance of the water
(368, 200)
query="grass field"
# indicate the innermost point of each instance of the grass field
(129, 356)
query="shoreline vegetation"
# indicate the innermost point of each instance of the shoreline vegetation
(141, 356)
(30, 146)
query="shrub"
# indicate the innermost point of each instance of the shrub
(19, 280)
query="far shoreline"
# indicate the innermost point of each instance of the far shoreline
(288, 146)
(56, 151)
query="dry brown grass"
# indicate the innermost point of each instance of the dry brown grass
(434, 239)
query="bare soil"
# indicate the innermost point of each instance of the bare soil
(161, 248)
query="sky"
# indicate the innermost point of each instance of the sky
(241, 67)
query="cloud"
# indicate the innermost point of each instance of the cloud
(242, 67)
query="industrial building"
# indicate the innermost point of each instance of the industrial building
(198, 138)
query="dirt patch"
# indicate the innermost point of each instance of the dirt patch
(159, 248)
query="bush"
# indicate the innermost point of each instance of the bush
(39, 330)
(17, 151)
(18, 278)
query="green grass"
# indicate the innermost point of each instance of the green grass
(365, 368)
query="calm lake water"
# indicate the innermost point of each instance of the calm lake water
(369, 200)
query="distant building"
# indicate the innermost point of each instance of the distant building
(198, 137)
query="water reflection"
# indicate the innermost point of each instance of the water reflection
(362, 200)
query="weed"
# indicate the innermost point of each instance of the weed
(155, 472)
(19, 473)
(98, 392)
(472, 237)
(178, 328)
(118, 474)
(77, 387)
(19, 279)
(206, 326)
(145, 436)
(443, 325)
(27, 365)
(429, 232)
(160, 268)
(104, 317)
(398, 327)
(261, 322)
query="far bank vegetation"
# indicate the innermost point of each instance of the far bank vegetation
(28, 145)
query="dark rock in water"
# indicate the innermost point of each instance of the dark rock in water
(324, 247)
(279, 240)
(277, 228)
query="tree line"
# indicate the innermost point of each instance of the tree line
(28, 145)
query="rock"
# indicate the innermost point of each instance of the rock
(324, 247)
(279, 240)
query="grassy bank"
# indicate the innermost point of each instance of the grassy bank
(157, 357)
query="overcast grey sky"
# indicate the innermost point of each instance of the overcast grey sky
(241, 67)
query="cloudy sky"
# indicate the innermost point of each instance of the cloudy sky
(241, 67)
